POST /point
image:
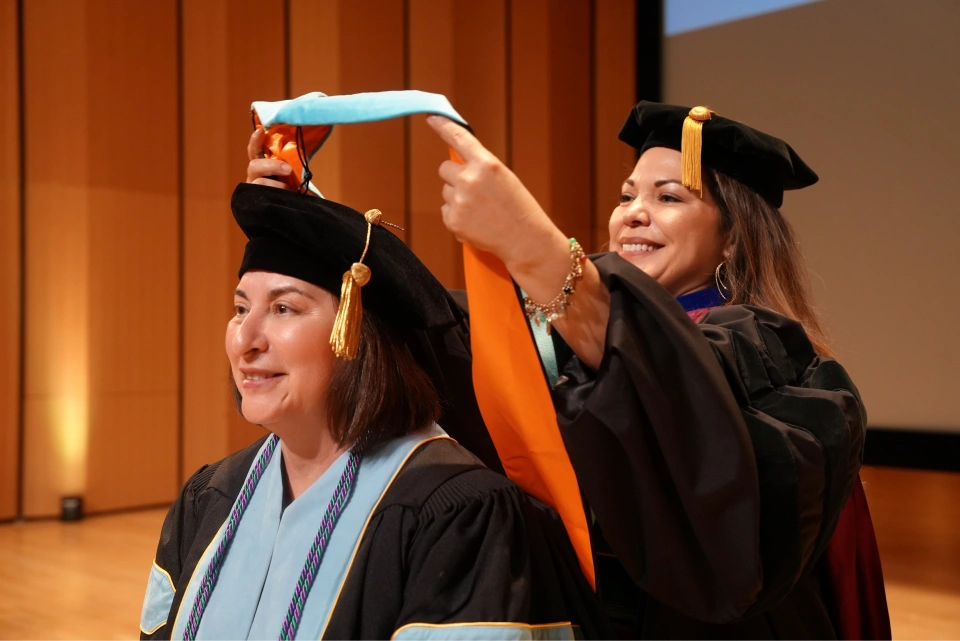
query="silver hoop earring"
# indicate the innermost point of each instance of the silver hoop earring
(720, 284)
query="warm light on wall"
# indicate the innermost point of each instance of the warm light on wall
(69, 424)
(58, 354)
(68, 358)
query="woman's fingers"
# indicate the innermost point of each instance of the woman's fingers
(457, 138)
(255, 144)
(449, 171)
(260, 170)
(263, 167)
(449, 193)
(268, 183)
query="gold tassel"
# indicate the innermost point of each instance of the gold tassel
(691, 147)
(345, 337)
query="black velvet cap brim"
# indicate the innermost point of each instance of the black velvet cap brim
(764, 163)
(317, 240)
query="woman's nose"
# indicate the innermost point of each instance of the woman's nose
(635, 215)
(250, 337)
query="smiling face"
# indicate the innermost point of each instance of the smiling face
(665, 229)
(279, 351)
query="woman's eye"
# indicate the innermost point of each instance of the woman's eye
(670, 198)
(282, 309)
(626, 198)
(239, 310)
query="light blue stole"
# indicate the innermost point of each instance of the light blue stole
(269, 548)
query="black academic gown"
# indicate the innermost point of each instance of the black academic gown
(716, 459)
(449, 543)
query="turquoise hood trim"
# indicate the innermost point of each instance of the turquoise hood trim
(317, 108)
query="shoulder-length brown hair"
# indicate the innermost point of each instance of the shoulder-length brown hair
(381, 394)
(765, 267)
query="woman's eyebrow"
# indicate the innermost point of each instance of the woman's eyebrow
(629, 181)
(667, 181)
(290, 289)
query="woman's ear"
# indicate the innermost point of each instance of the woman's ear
(728, 248)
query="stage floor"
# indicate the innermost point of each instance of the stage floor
(86, 580)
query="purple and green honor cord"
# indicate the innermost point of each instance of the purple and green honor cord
(309, 573)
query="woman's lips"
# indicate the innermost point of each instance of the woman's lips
(638, 249)
(256, 382)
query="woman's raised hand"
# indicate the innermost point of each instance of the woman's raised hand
(260, 169)
(487, 206)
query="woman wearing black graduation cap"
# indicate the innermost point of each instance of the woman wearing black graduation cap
(356, 516)
(715, 439)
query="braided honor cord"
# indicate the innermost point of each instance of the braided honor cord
(213, 569)
(337, 502)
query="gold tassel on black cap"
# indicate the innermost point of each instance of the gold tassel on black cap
(345, 338)
(691, 146)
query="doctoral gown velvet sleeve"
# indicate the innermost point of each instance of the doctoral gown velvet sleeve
(716, 457)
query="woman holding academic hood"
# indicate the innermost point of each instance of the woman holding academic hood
(715, 439)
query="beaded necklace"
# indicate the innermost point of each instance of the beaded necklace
(301, 591)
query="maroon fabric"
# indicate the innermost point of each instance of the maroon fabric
(697, 314)
(852, 576)
(854, 579)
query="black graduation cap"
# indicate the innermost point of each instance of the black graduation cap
(764, 163)
(341, 250)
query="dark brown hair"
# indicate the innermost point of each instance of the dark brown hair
(381, 394)
(765, 267)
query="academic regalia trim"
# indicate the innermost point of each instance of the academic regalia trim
(389, 458)
(489, 630)
(298, 128)
(443, 510)
(157, 601)
(694, 301)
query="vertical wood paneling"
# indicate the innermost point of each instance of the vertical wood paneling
(459, 50)
(226, 66)
(315, 36)
(206, 232)
(551, 145)
(133, 253)
(614, 68)
(342, 47)
(57, 273)
(431, 59)
(9, 258)
(570, 114)
(101, 388)
(373, 155)
(119, 144)
(529, 71)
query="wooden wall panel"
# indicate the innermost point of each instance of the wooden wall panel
(10, 172)
(314, 46)
(614, 93)
(373, 155)
(134, 254)
(57, 274)
(551, 137)
(431, 59)
(457, 49)
(223, 72)
(102, 310)
(128, 184)
(342, 47)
